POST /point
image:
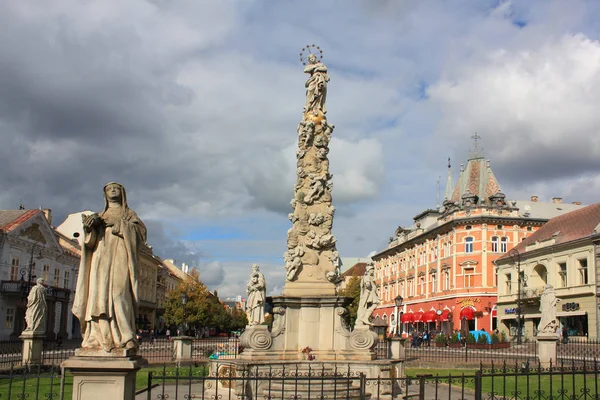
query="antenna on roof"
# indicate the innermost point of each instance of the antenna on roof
(437, 202)
(21, 205)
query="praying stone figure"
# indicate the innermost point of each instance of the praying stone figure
(368, 297)
(548, 303)
(35, 316)
(107, 286)
(257, 294)
(316, 85)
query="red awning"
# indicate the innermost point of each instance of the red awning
(418, 316)
(494, 313)
(429, 316)
(467, 313)
(407, 317)
(445, 316)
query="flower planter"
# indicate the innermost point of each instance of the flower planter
(455, 345)
(503, 345)
(440, 344)
(479, 346)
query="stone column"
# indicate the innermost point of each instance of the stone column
(33, 344)
(182, 349)
(547, 349)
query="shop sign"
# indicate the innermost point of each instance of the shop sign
(570, 307)
(514, 310)
(468, 302)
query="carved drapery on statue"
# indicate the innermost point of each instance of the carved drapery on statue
(107, 286)
(311, 252)
(35, 316)
(548, 301)
(257, 295)
(368, 297)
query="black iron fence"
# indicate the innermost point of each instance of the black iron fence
(578, 350)
(10, 353)
(515, 381)
(473, 352)
(219, 348)
(34, 383)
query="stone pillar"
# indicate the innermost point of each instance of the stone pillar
(397, 348)
(101, 377)
(182, 349)
(33, 344)
(547, 349)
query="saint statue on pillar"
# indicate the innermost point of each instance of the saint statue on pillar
(35, 316)
(107, 286)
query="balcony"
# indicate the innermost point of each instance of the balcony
(531, 294)
(22, 288)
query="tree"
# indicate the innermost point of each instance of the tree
(352, 290)
(199, 306)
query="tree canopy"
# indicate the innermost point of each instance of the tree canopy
(352, 290)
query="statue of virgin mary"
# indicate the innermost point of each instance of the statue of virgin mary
(106, 297)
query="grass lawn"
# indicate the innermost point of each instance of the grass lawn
(525, 384)
(35, 387)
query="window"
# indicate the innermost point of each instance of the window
(67, 279)
(469, 245)
(433, 283)
(499, 227)
(422, 285)
(446, 280)
(402, 293)
(411, 288)
(495, 244)
(468, 277)
(9, 320)
(583, 271)
(56, 277)
(529, 228)
(14, 270)
(503, 245)
(508, 287)
(46, 273)
(468, 227)
(562, 274)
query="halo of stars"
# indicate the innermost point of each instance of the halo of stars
(310, 49)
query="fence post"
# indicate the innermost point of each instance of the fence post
(422, 385)
(363, 385)
(149, 385)
(478, 385)
(466, 352)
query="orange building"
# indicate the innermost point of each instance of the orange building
(442, 265)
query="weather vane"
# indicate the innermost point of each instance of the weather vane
(308, 50)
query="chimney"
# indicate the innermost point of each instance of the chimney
(557, 200)
(577, 203)
(48, 214)
(534, 199)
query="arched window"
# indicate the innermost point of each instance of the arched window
(504, 244)
(494, 244)
(469, 245)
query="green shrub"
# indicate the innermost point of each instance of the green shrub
(482, 339)
(440, 338)
(503, 337)
(495, 338)
(471, 338)
(454, 338)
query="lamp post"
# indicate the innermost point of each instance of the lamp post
(398, 300)
(29, 270)
(515, 255)
(184, 299)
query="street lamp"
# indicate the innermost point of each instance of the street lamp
(515, 255)
(184, 299)
(29, 271)
(398, 300)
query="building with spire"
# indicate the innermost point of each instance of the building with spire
(442, 265)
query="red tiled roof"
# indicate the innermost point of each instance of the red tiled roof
(9, 219)
(565, 228)
(357, 269)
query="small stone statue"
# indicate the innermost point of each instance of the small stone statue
(548, 301)
(257, 294)
(107, 286)
(368, 297)
(35, 316)
(316, 85)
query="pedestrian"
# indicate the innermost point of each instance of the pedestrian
(565, 335)
(168, 334)
(152, 337)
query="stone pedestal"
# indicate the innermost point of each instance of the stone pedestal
(182, 348)
(33, 344)
(398, 348)
(103, 377)
(547, 349)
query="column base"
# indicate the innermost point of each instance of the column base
(547, 349)
(102, 378)
(33, 344)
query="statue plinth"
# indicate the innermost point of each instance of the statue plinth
(547, 348)
(103, 377)
(298, 288)
(33, 344)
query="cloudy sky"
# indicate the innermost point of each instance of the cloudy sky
(193, 106)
